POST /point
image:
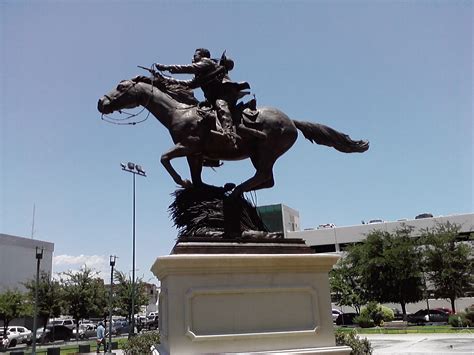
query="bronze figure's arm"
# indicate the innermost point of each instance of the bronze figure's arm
(194, 68)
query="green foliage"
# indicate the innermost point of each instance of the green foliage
(463, 319)
(141, 344)
(123, 295)
(389, 267)
(459, 320)
(50, 297)
(12, 305)
(364, 321)
(358, 346)
(84, 293)
(470, 315)
(449, 265)
(374, 314)
(345, 285)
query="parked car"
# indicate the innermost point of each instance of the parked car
(152, 322)
(335, 314)
(86, 331)
(423, 316)
(13, 339)
(66, 322)
(24, 334)
(424, 215)
(120, 327)
(397, 314)
(445, 310)
(53, 333)
(327, 226)
(346, 319)
(375, 221)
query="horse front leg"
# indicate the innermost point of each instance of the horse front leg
(179, 150)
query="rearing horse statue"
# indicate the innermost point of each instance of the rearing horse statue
(192, 138)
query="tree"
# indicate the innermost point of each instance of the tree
(389, 265)
(345, 285)
(12, 305)
(84, 294)
(123, 295)
(50, 297)
(449, 264)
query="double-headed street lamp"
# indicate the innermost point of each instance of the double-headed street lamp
(135, 170)
(39, 256)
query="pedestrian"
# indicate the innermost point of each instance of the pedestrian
(101, 337)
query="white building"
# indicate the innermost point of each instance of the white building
(335, 239)
(18, 260)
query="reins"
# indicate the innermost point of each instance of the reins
(121, 121)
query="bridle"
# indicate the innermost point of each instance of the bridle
(122, 121)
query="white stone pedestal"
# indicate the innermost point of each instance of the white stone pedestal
(246, 303)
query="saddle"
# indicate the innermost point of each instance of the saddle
(244, 116)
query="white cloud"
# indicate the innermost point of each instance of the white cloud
(98, 263)
(92, 261)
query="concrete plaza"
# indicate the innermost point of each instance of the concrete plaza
(432, 343)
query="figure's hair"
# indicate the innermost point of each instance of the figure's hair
(204, 52)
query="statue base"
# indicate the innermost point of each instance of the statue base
(200, 245)
(246, 303)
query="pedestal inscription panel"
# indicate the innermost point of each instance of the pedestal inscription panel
(244, 312)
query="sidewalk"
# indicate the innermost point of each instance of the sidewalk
(417, 344)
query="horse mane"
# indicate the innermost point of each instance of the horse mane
(177, 91)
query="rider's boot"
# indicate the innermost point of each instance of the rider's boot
(247, 131)
(225, 117)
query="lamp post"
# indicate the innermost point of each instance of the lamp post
(112, 264)
(39, 256)
(135, 170)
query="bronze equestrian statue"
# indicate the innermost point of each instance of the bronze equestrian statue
(196, 136)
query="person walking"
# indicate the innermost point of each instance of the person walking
(101, 337)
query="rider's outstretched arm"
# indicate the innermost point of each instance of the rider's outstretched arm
(195, 68)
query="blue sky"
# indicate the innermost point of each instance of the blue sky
(396, 73)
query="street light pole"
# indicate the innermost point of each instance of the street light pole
(39, 256)
(135, 170)
(112, 264)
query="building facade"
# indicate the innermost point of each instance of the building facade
(335, 239)
(18, 260)
(280, 218)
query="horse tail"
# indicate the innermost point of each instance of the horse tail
(324, 135)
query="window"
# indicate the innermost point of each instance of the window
(328, 248)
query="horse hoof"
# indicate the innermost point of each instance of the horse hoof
(229, 186)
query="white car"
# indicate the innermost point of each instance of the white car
(13, 339)
(335, 314)
(24, 334)
(86, 330)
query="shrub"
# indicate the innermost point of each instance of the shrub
(364, 321)
(141, 344)
(358, 346)
(461, 319)
(375, 313)
(470, 315)
(388, 314)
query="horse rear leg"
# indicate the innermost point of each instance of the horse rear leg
(262, 179)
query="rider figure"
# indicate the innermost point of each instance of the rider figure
(211, 76)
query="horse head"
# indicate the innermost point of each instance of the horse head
(124, 96)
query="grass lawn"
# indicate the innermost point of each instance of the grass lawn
(73, 348)
(405, 330)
